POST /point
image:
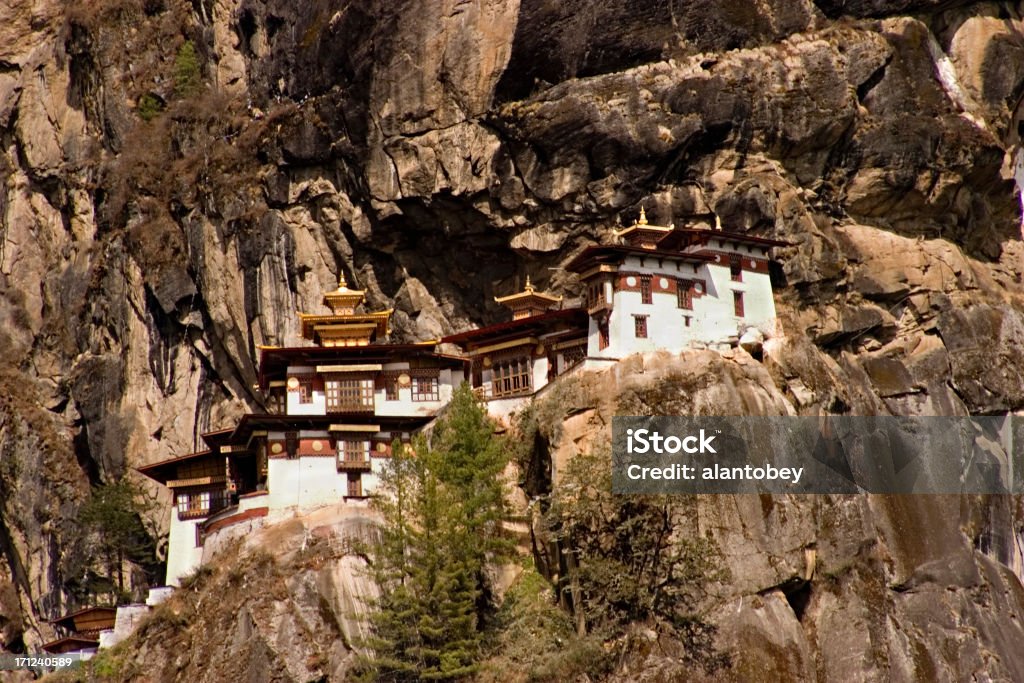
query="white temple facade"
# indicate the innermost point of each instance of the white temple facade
(664, 288)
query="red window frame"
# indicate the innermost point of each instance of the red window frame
(736, 267)
(684, 294)
(640, 326)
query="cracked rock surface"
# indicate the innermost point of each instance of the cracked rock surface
(154, 233)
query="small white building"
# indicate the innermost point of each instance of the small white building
(511, 361)
(668, 288)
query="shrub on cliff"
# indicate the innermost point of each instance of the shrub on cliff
(632, 560)
(188, 75)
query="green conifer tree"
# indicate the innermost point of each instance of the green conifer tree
(188, 74)
(442, 503)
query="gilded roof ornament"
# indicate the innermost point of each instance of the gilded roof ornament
(528, 302)
(344, 300)
(641, 233)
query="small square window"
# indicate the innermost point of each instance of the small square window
(425, 389)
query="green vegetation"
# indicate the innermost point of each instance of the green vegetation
(113, 535)
(149, 107)
(628, 560)
(188, 75)
(625, 567)
(442, 504)
(536, 638)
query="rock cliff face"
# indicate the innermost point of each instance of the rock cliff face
(161, 216)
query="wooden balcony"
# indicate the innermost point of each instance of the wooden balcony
(350, 407)
(355, 465)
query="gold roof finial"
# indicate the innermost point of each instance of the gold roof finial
(529, 285)
(642, 234)
(344, 300)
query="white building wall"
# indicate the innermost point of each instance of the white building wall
(183, 556)
(303, 483)
(712, 318)
(540, 373)
(318, 405)
(502, 409)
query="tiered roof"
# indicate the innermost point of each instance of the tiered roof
(528, 302)
(343, 326)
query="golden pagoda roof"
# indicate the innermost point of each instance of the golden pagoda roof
(527, 296)
(343, 326)
(348, 326)
(644, 232)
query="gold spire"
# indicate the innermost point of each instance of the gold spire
(643, 216)
(343, 301)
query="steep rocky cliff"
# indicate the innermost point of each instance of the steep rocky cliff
(178, 178)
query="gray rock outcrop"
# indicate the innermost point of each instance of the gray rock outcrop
(155, 232)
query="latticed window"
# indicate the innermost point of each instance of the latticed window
(305, 391)
(645, 289)
(573, 356)
(349, 395)
(640, 326)
(736, 267)
(276, 402)
(354, 450)
(511, 376)
(684, 294)
(192, 504)
(425, 389)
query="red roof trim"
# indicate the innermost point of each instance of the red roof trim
(593, 252)
(522, 323)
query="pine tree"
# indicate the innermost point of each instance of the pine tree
(113, 531)
(442, 505)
